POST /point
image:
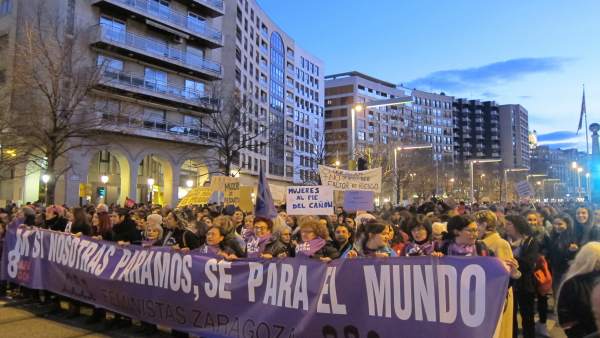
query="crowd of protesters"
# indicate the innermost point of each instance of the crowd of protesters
(534, 242)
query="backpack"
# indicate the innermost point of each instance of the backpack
(543, 277)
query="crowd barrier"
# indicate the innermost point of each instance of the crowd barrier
(291, 297)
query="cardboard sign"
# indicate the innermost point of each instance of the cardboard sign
(358, 200)
(196, 196)
(231, 195)
(366, 180)
(246, 203)
(217, 183)
(309, 200)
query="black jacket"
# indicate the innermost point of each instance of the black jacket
(556, 250)
(574, 304)
(527, 258)
(328, 250)
(183, 238)
(84, 228)
(58, 223)
(275, 247)
(126, 231)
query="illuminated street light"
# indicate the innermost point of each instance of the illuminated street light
(104, 179)
(189, 183)
(45, 178)
(574, 165)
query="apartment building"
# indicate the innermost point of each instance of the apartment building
(365, 114)
(476, 130)
(514, 136)
(159, 59)
(285, 85)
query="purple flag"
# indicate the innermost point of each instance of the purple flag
(264, 202)
(583, 112)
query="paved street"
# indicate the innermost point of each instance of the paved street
(20, 319)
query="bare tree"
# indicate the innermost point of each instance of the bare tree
(231, 131)
(51, 110)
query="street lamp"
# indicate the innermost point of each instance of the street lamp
(46, 179)
(588, 185)
(359, 107)
(399, 190)
(506, 171)
(150, 189)
(337, 163)
(104, 179)
(471, 165)
(189, 183)
(579, 171)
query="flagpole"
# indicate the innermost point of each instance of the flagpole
(587, 139)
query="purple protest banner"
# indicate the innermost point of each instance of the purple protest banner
(292, 297)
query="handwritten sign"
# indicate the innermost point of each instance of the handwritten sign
(366, 180)
(309, 200)
(232, 193)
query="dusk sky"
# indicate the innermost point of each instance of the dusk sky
(535, 53)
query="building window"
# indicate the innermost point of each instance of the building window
(113, 29)
(155, 79)
(194, 89)
(5, 7)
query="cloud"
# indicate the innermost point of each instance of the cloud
(456, 80)
(564, 145)
(525, 97)
(489, 95)
(556, 136)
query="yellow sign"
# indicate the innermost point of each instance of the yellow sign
(217, 183)
(196, 196)
(246, 199)
(232, 193)
(85, 190)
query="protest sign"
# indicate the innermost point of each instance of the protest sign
(232, 193)
(358, 200)
(524, 189)
(366, 180)
(309, 200)
(196, 196)
(246, 204)
(292, 297)
(217, 183)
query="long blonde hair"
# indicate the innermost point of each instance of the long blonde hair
(586, 261)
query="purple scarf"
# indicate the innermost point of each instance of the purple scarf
(309, 248)
(416, 249)
(462, 250)
(255, 246)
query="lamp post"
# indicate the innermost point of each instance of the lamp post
(104, 180)
(359, 107)
(451, 188)
(46, 179)
(588, 185)
(189, 184)
(150, 189)
(506, 171)
(579, 171)
(471, 165)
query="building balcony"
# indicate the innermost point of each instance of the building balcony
(167, 20)
(151, 90)
(136, 124)
(155, 52)
(210, 8)
(494, 138)
(264, 49)
(494, 130)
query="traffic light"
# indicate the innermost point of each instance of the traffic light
(101, 191)
(362, 164)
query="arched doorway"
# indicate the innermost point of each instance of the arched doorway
(108, 177)
(192, 174)
(155, 180)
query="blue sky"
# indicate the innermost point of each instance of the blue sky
(535, 53)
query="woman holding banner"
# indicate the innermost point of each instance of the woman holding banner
(315, 241)
(178, 236)
(375, 240)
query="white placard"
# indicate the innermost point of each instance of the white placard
(309, 200)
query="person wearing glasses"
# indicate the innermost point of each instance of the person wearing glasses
(461, 239)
